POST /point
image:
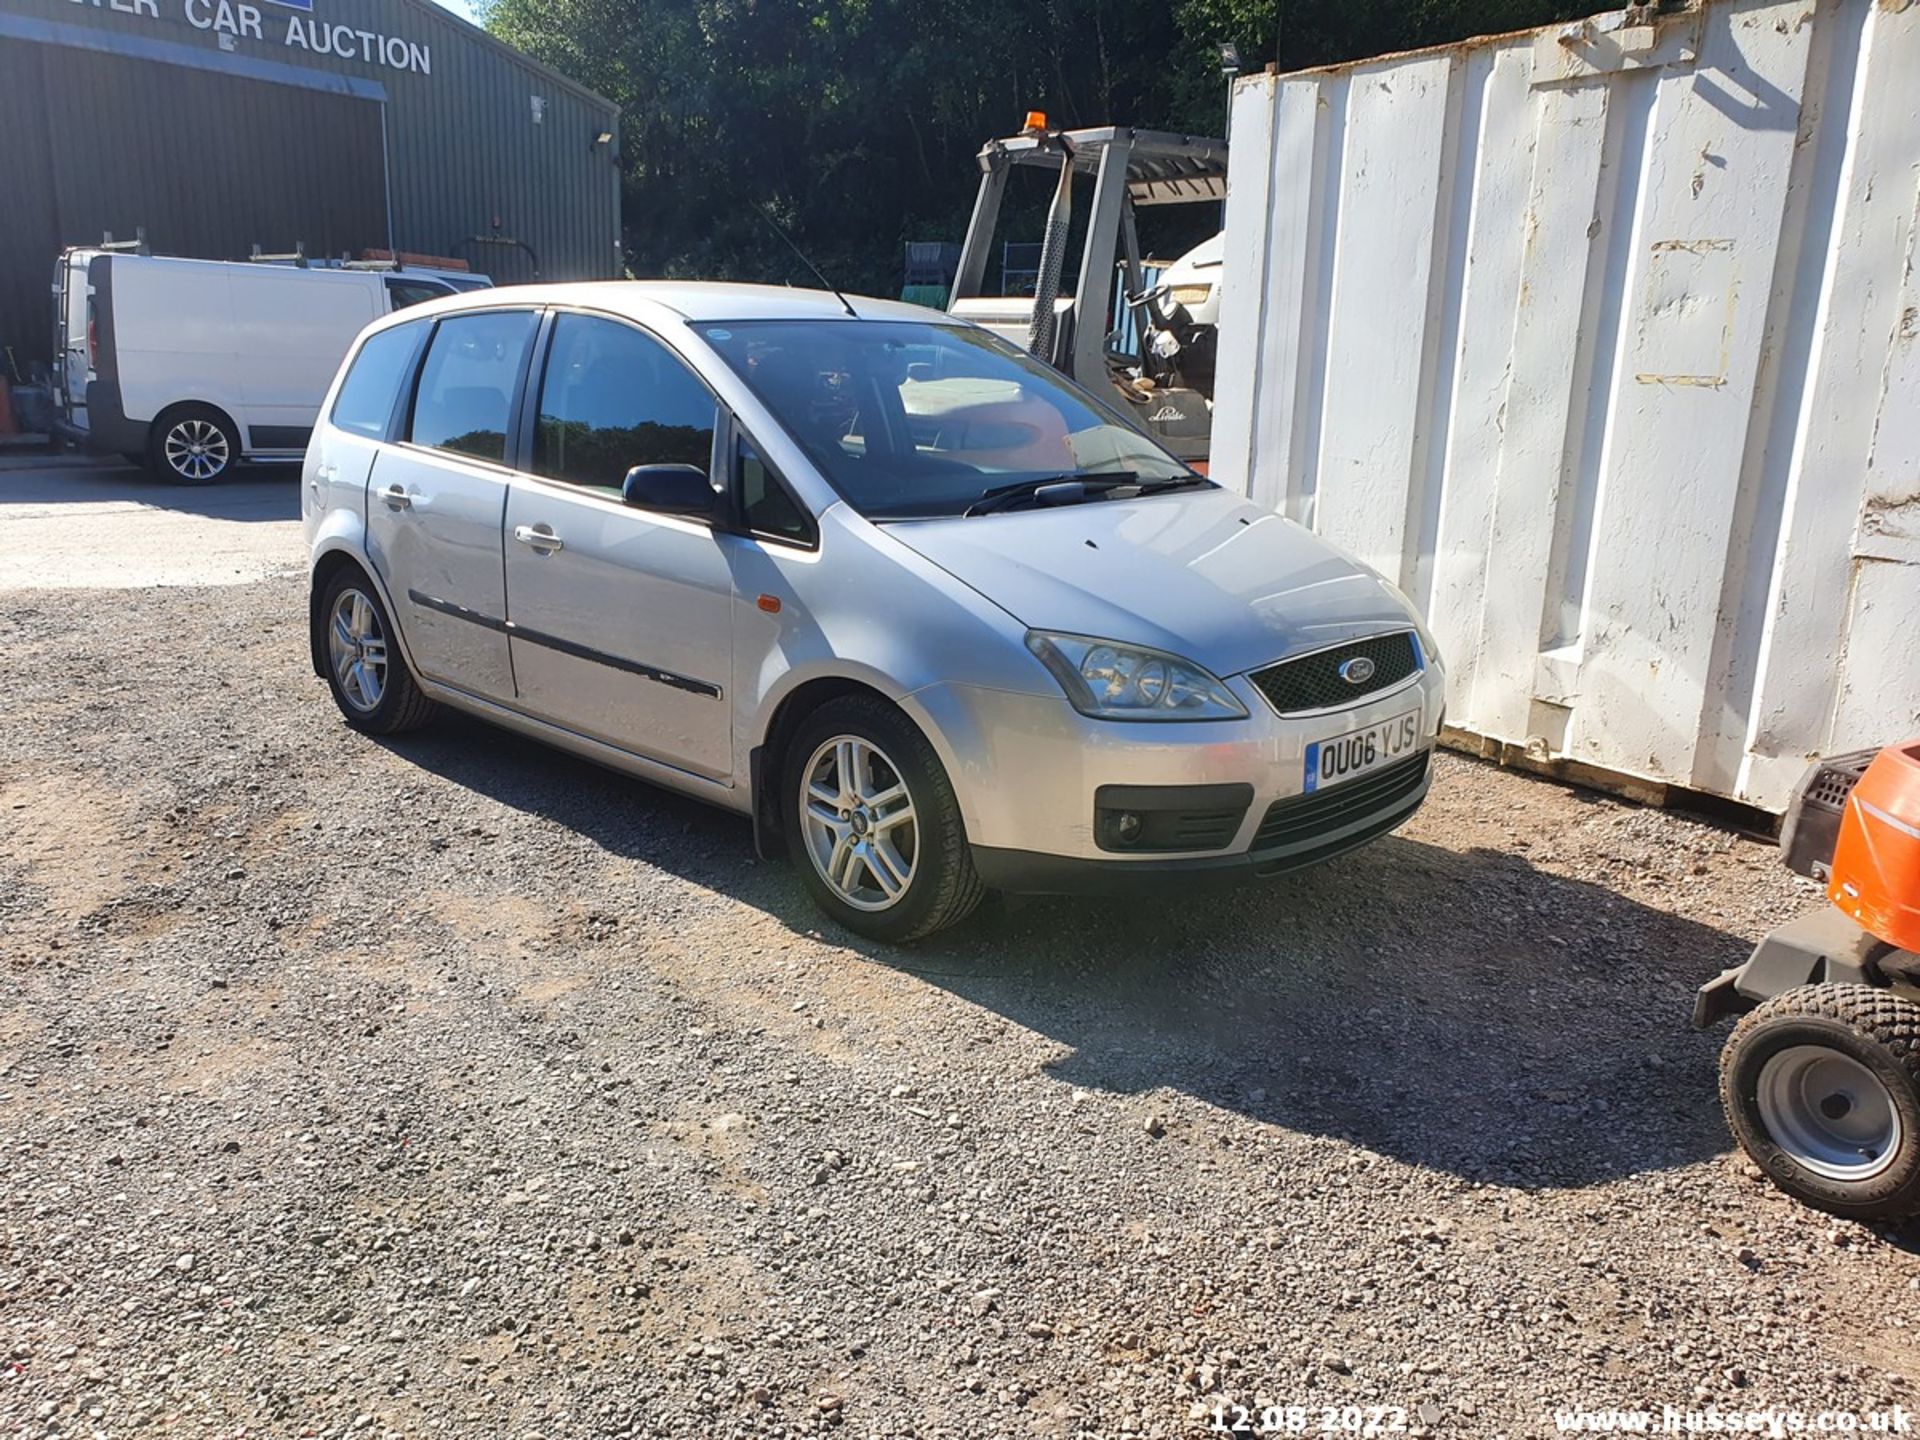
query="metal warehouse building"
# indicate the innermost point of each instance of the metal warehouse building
(344, 125)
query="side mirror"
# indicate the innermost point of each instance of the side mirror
(669, 489)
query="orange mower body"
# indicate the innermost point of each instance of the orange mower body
(1876, 860)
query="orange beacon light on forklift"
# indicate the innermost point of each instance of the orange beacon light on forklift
(1876, 862)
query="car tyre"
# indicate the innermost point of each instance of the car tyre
(365, 669)
(873, 823)
(1821, 1087)
(192, 445)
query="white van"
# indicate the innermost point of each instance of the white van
(188, 366)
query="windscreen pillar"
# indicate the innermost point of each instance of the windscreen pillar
(972, 273)
(1093, 298)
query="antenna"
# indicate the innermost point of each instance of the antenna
(766, 214)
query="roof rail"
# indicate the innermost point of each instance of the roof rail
(136, 246)
(297, 256)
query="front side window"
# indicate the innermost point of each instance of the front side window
(467, 382)
(767, 504)
(613, 397)
(907, 418)
(367, 396)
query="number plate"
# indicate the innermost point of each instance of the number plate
(1355, 753)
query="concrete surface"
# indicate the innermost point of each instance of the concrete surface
(69, 523)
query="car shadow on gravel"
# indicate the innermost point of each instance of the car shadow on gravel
(1463, 1011)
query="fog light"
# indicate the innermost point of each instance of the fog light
(1127, 827)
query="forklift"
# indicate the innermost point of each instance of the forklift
(1167, 388)
(1820, 1080)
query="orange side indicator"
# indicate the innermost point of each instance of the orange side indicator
(769, 603)
(1876, 864)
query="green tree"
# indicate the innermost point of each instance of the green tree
(856, 121)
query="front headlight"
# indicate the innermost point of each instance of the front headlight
(1112, 681)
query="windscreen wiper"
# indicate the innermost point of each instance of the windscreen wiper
(1177, 482)
(1053, 490)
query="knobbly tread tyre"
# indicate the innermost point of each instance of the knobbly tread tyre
(1869, 1023)
(403, 707)
(956, 887)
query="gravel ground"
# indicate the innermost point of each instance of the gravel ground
(449, 1086)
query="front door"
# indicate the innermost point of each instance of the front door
(435, 502)
(621, 621)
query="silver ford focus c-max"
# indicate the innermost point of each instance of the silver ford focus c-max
(935, 618)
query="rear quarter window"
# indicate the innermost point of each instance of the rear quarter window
(374, 380)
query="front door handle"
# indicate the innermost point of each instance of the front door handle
(396, 497)
(540, 537)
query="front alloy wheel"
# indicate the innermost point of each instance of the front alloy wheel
(858, 823)
(865, 796)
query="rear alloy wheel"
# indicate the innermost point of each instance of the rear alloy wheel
(194, 445)
(874, 822)
(1821, 1087)
(368, 676)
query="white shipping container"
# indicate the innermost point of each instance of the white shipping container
(1603, 341)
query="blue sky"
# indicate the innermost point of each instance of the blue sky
(459, 7)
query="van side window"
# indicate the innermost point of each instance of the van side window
(467, 383)
(767, 504)
(365, 402)
(613, 397)
(413, 292)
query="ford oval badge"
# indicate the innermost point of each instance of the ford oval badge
(1358, 670)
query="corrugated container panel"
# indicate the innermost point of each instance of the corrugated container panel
(1601, 341)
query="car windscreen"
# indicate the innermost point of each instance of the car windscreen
(909, 419)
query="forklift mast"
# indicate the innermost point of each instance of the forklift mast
(1130, 168)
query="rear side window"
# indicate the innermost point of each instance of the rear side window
(614, 397)
(467, 383)
(367, 395)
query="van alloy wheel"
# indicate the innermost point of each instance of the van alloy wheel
(196, 449)
(357, 648)
(861, 832)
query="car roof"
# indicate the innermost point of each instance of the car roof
(692, 300)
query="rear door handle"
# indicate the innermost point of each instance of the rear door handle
(540, 537)
(397, 498)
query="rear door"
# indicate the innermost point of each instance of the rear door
(436, 499)
(72, 312)
(622, 620)
(369, 404)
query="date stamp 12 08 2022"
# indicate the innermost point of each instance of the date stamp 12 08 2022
(1345, 1420)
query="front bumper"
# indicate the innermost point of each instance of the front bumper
(1024, 872)
(1028, 771)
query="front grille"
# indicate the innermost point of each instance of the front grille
(1302, 819)
(1314, 682)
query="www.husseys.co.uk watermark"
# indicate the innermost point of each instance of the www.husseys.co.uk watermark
(1711, 1420)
